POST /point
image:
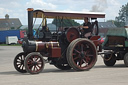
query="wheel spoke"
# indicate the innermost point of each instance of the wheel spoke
(22, 67)
(90, 55)
(34, 68)
(30, 60)
(75, 58)
(77, 63)
(18, 59)
(88, 60)
(37, 58)
(38, 66)
(85, 62)
(77, 51)
(30, 66)
(21, 57)
(82, 47)
(81, 63)
(18, 64)
(74, 54)
(39, 62)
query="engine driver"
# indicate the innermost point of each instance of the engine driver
(86, 28)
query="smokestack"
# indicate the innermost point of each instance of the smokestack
(99, 6)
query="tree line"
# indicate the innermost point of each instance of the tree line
(121, 18)
(65, 22)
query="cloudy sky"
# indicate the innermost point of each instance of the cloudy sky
(17, 8)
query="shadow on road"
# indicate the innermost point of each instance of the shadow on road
(115, 66)
(44, 71)
(54, 70)
(8, 73)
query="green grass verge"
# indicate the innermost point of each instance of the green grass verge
(10, 45)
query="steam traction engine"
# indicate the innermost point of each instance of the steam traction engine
(65, 49)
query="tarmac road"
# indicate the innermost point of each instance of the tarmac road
(98, 75)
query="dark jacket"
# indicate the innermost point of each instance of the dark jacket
(89, 29)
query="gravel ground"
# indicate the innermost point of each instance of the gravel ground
(98, 75)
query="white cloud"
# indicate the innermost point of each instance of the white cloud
(15, 4)
(4, 11)
(85, 10)
(74, 5)
(12, 4)
(40, 4)
(113, 9)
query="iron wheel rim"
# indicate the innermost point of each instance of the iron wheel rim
(34, 63)
(19, 62)
(82, 58)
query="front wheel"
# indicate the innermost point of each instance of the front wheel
(34, 63)
(81, 54)
(19, 62)
(110, 59)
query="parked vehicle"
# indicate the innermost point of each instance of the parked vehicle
(116, 45)
(65, 50)
(11, 40)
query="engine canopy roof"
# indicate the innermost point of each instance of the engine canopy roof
(65, 14)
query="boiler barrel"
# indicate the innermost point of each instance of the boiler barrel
(38, 46)
(45, 45)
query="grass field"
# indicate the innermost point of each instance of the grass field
(10, 45)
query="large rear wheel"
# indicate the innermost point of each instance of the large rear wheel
(81, 54)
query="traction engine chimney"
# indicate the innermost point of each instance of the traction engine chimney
(30, 23)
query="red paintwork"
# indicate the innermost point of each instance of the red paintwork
(94, 37)
(45, 45)
(22, 34)
(51, 47)
(101, 40)
(72, 34)
(55, 52)
(95, 40)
